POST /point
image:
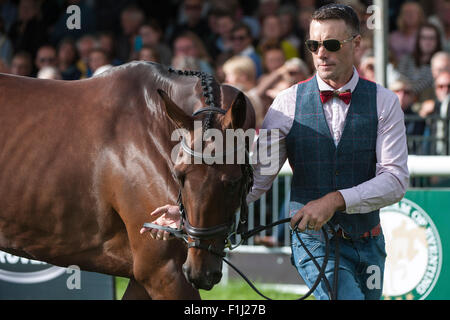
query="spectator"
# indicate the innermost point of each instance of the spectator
(367, 67)
(293, 71)
(151, 35)
(21, 64)
(195, 22)
(437, 129)
(267, 8)
(49, 72)
(273, 57)
(243, 45)
(107, 42)
(98, 61)
(84, 46)
(416, 67)
(131, 20)
(225, 24)
(440, 62)
(441, 19)
(28, 33)
(287, 23)
(148, 53)
(6, 49)
(45, 57)
(189, 44)
(414, 127)
(271, 33)
(67, 58)
(240, 72)
(403, 40)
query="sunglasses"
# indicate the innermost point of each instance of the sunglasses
(443, 86)
(332, 45)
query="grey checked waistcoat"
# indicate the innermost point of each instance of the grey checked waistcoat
(318, 166)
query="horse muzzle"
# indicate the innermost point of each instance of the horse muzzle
(203, 272)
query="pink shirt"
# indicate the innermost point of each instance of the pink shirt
(391, 177)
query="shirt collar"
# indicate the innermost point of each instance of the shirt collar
(349, 85)
(248, 50)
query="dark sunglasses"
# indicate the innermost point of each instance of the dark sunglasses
(332, 45)
(443, 86)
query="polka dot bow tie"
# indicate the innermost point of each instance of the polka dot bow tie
(345, 96)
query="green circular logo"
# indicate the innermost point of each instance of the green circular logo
(414, 252)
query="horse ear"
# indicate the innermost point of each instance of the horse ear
(236, 114)
(175, 113)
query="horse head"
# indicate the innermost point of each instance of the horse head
(212, 185)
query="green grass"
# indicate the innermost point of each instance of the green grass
(234, 290)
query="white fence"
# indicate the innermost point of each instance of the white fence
(270, 206)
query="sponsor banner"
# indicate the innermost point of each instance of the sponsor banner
(22, 278)
(417, 244)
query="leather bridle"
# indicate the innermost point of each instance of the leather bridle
(226, 230)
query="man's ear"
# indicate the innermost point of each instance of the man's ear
(236, 114)
(176, 114)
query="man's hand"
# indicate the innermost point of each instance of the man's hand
(167, 216)
(317, 212)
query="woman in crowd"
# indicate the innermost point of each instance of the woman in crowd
(416, 67)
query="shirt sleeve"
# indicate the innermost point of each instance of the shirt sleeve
(270, 153)
(391, 177)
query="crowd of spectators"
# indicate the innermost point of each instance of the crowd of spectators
(255, 45)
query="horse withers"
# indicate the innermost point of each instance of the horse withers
(83, 163)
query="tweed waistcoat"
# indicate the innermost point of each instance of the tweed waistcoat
(318, 165)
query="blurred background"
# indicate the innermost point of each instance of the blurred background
(255, 45)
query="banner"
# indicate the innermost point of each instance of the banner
(417, 237)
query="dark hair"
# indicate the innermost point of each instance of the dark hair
(339, 12)
(153, 24)
(242, 25)
(417, 53)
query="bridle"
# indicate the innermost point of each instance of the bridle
(227, 230)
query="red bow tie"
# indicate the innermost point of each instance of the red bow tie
(345, 96)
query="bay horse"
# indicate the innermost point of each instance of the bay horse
(83, 163)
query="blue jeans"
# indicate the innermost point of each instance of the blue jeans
(361, 265)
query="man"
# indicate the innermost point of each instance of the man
(348, 154)
(438, 107)
(242, 44)
(440, 62)
(21, 64)
(45, 57)
(415, 125)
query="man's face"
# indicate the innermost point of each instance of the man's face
(20, 66)
(274, 59)
(193, 10)
(405, 97)
(241, 40)
(96, 60)
(184, 47)
(442, 85)
(46, 57)
(439, 65)
(333, 65)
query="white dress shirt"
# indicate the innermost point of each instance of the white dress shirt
(391, 176)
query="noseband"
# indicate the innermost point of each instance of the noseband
(225, 230)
